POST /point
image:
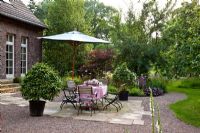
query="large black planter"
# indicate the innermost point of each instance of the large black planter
(123, 96)
(36, 108)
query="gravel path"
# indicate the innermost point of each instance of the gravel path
(170, 124)
(17, 120)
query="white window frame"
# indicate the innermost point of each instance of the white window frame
(24, 46)
(11, 76)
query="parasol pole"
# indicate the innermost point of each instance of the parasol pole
(74, 58)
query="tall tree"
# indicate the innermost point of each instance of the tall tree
(42, 10)
(182, 39)
(32, 6)
(153, 19)
(136, 45)
(100, 18)
(133, 44)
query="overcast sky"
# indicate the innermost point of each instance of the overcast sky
(124, 4)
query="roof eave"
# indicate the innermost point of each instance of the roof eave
(23, 20)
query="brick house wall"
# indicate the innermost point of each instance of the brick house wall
(19, 29)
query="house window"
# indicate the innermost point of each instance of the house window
(24, 43)
(10, 56)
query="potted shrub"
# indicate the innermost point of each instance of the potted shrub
(122, 78)
(17, 80)
(123, 92)
(39, 84)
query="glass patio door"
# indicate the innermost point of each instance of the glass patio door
(10, 56)
(24, 43)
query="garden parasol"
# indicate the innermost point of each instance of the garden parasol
(74, 38)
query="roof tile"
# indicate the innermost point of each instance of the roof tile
(17, 10)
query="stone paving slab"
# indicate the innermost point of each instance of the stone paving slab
(22, 105)
(130, 114)
(121, 121)
(142, 112)
(7, 99)
(4, 103)
(138, 122)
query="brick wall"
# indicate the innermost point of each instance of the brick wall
(19, 29)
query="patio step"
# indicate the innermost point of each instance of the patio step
(6, 81)
(7, 86)
(9, 90)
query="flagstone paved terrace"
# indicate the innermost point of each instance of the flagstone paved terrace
(131, 113)
(15, 117)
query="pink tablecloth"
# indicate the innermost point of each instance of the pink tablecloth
(100, 90)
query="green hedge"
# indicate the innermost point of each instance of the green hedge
(136, 92)
(77, 80)
(190, 83)
(159, 83)
(112, 89)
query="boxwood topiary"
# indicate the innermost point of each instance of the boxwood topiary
(40, 83)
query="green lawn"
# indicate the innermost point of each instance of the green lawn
(187, 110)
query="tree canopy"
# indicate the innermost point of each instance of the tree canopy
(165, 40)
(181, 36)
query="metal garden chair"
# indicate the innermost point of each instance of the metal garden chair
(113, 99)
(70, 94)
(87, 98)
